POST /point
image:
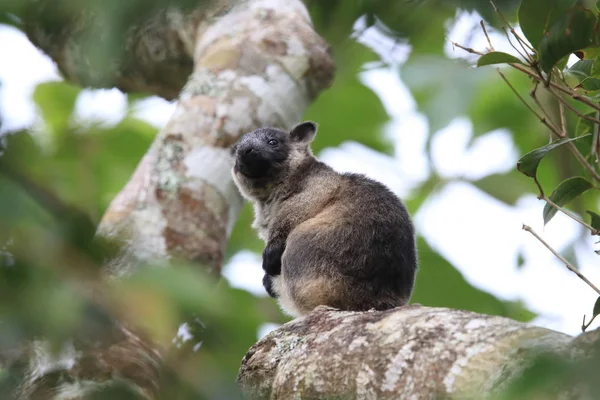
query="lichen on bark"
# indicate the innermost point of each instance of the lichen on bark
(240, 81)
(410, 352)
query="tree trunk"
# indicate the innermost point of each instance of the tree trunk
(259, 63)
(411, 352)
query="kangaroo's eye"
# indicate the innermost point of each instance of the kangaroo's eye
(272, 142)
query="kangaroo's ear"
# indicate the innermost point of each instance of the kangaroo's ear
(304, 132)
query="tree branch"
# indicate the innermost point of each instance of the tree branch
(407, 352)
(569, 266)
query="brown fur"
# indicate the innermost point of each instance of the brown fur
(341, 240)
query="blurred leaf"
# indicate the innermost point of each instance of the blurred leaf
(501, 109)
(443, 88)
(595, 222)
(562, 63)
(537, 16)
(575, 30)
(508, 187)
(439, 284)
(7, 18)
(586, 73)
(596, 307)
(497, 57)
(113, 155)
(56, 101)
(84, 169)
(581, 71)
(568, 190)
(591, 84)
(117, 389)
(243, 236)
(364, 115)
(585, 68)
(585, 126)
(529, 163)
(520, 259)
(542, 378)
(422, 23)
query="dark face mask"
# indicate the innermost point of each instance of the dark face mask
(261, 154)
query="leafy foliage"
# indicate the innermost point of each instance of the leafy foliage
(528, 164)
(565, 193)
(48, 256)
(364, 114)
(595, 220)
(497, 57)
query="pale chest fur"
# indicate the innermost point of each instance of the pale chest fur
(263, 219)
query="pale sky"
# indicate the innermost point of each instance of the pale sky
(478, 234)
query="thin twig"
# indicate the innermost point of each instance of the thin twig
(574, 95)
(555, 131)
(537, 77)
(533, 94)
(467, 49)
(583, 161)
(563, 120)
(542, 195)
(595, 143)
(486, 35)
(521, 41)
(573, 109)
(569, 91)
(584, 326)
(525, 54)
(573, 216)
(561, 258)
(542, 119)
(570, 145)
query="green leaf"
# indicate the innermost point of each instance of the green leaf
(363, 110)
(593, 95)
(497, 57)
(591, 83)
(444, 88)
(584, 72)
(590, 53)
(243, 236)
(575, 30)
(585, 126)
(529, 163)
(597, 307)
(520, 259)
(508, 187)
(536, 16)
(582, 69)
(563, 63)
(568, 190)
(56, 101)
(595, 222)
(500, 110)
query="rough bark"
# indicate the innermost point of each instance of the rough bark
(258, 64)
(412, 352)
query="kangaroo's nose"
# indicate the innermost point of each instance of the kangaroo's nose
(248, 150)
